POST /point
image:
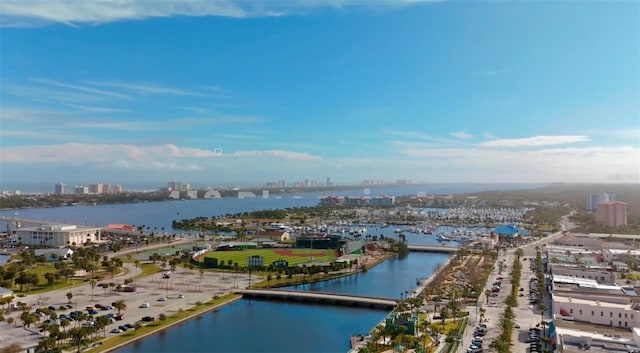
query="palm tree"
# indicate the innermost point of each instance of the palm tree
(101, 324)
(93, 285)
(120, 305)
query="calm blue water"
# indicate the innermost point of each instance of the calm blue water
(265, 327)
(261, 326)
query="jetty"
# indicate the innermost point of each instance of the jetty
(319, 297)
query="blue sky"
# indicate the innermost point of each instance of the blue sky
(237, 92)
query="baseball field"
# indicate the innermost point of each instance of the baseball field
(292, 256)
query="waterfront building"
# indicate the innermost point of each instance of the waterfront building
(331, 200)
(95, 188)
(192, 194)
(178, 186)
(105, 189)
(59, 188)
(356, 201)
(212, 194)
(117, 189)
(510, 230)
(593, 200)
(383, 201)
(57, 235)
(80, 190)
(612, 214)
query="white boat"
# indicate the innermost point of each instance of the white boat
(397, 230)
(442, 237)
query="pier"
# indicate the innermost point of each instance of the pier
(434, 248)
(319, 297)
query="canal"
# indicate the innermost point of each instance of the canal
(249, 326)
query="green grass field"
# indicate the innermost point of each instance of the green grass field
(293, 256)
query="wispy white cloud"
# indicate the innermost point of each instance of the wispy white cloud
(147, 89)
(48, 94)
(275, 153)
(536, 141)
(23, 13)
(84, 89)
(86, 153)
(461, 135)
(95, 109)
(420, 136)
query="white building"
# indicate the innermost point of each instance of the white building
(57, 235)
(609, 255)
(596, 312)
(596, 274)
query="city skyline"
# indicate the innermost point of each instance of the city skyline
(243, 92)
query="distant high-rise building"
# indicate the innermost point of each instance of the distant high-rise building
(593, 200)
(95, 188)
(178, 186)
(612, 214)
(59, 188)
(117, 189)
(328, 181)
(105, 189)
(80, 190)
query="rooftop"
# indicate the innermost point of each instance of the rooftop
(563, 299)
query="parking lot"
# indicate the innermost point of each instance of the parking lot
(183, 290)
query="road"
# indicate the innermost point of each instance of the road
(526, 314)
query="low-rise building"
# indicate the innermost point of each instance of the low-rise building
(598, 274)
(596, 312)
(272, 234)
(58, 235)
(612, 255)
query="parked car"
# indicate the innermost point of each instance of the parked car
(116, 330)
(144, 305)
(162, 299)
(148, 318)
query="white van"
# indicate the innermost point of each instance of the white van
(144, 305)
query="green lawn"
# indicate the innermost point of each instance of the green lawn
(298, 256)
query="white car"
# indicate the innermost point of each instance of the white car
(116, 330)
(162, 299)
(144, 305)
(180, 296)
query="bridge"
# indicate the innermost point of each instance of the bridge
(319, 297)
(433, 248)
